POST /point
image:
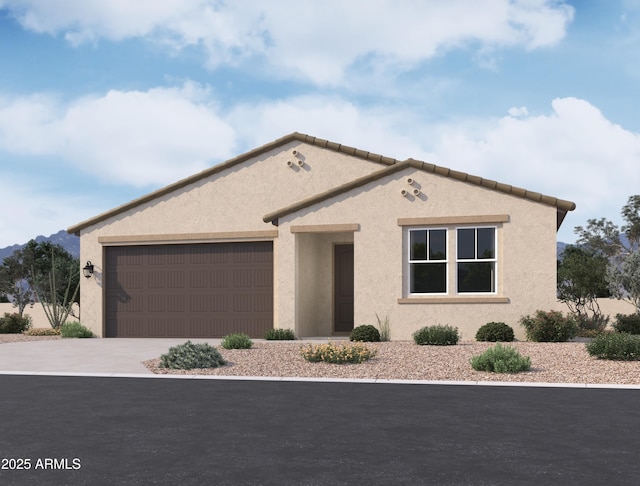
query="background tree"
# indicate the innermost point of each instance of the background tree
(621, 245)
(603, 236)
(624, 279)
(31, 266)
(582, 279)
(43, 258)
(58, 292)
(14, 281)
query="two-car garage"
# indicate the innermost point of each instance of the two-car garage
(189, 290)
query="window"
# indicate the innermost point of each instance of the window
(428, 261)
(476, 260)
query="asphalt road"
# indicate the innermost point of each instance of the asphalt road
(96, 430)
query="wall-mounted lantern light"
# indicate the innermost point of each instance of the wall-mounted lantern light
(87, 270)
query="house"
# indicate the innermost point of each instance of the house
(316, 236)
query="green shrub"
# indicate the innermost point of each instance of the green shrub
(495, 331)
(366, 333)
(591, 326)
(337, 354)
(42, 331)
(615, 345)
(189, 355)
(279, 335)
(385, 328)
(14, 324)
(75, 330)
(626, 323)
(501, 359)
(549, 327)
(237, 340)
(437, 335)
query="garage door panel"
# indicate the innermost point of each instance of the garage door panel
(195, 290)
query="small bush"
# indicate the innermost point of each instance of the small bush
(501, 359)
(237, 340)
(626, 323)
(437, 335)
(616, 346)
(75, 330)
(549, 327)
(189, 355)
(495, 331)
(337, 354)
(14, 324)
(366, 333)
(279, 335)
(591, 326)
(385, 328)
(43, 331)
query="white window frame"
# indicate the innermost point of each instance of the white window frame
(409, 261)
(493, 260)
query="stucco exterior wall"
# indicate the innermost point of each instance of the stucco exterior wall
(37, 314)
(526, 253)
(314, 282)
(234, 200)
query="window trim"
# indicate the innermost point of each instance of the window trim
(446, 261)
(493, 260)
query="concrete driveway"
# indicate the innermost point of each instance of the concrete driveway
(122, 356)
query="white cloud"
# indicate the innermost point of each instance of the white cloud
(377, 129)
(158, 136)
(35, 211)
(316, 41)
(129, 137)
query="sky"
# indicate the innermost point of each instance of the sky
(104, 101)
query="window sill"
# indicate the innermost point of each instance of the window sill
(455, 300)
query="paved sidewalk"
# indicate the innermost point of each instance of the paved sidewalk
(86, 355)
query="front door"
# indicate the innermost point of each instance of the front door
(343, 288)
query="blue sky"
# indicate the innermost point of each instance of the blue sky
(104, 101)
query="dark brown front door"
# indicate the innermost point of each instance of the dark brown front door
(189, 290)
(343, 288)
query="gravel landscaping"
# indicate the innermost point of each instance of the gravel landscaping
(17, 338)
(404, 360)
(551, 363)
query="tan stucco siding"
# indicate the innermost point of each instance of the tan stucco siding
(234, 200)
(526, 252)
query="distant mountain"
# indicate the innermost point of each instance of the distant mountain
(560, 246)
(71, 243)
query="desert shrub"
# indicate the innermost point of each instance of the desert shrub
(591, 326)
(189, 355)
(549, 327)
(615, 345)
(337, 353)
(279, 335)
(366, 333)
(495, 331)
(75, 330)
(385, 328)
(501, 359)
(14, 323)
(43, 331)
(626, 323)
(437, 335)
(238, 340)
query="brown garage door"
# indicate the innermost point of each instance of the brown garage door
(191, 290)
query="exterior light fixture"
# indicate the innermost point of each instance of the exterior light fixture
(87, 270)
